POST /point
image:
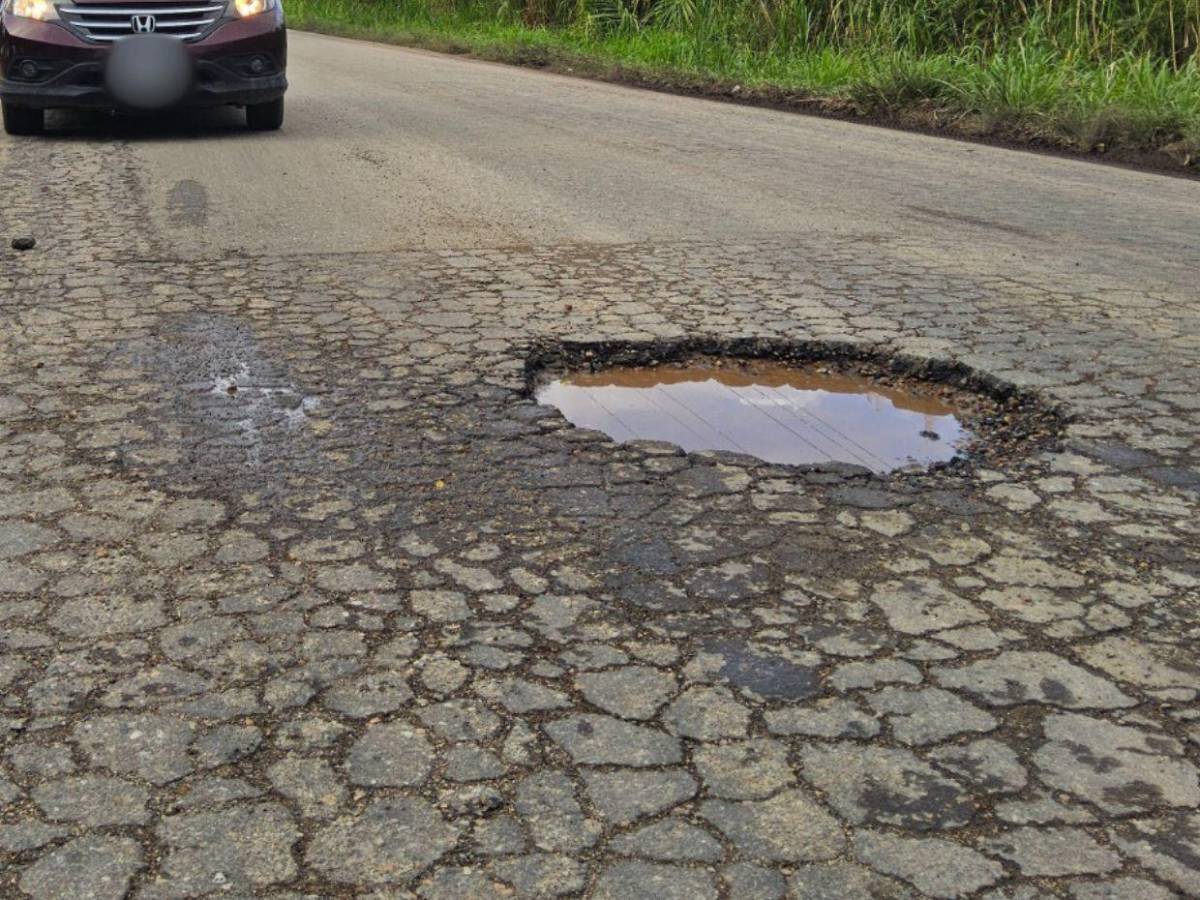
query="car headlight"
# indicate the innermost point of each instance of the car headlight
(42, 10)
(243, 9)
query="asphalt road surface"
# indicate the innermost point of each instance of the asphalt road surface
(301, 595)
(387, 148)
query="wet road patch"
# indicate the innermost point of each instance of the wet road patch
(236, 409)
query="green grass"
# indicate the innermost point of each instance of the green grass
(1085, 74)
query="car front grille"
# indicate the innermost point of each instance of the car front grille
(187, 20)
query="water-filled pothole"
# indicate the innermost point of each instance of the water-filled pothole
(780, 413)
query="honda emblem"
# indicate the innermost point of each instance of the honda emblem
(143, 24)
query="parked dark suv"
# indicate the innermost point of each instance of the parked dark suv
(141, 56)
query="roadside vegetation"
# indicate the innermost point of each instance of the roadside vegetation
(1090, 75)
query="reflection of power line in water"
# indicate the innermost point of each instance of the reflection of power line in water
(796, 410)
(671, 396)
(874, 429)
(782, 425)
(682, 424)
(591, 395)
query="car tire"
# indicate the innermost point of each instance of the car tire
(265, 116)
(23, 119)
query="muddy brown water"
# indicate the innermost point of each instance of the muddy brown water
(778, 413)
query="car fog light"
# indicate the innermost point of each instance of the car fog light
(29, 70)
(257, 65)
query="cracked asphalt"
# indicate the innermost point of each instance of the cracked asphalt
(302, 596)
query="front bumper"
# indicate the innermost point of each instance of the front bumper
(74, 69)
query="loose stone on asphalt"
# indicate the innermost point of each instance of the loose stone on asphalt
(415, 634)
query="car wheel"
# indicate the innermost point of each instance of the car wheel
(23, 119)
(265, 116)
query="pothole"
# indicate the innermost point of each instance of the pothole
(776, 412)
(800, 409)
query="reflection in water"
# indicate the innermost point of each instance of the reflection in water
(775, 412)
